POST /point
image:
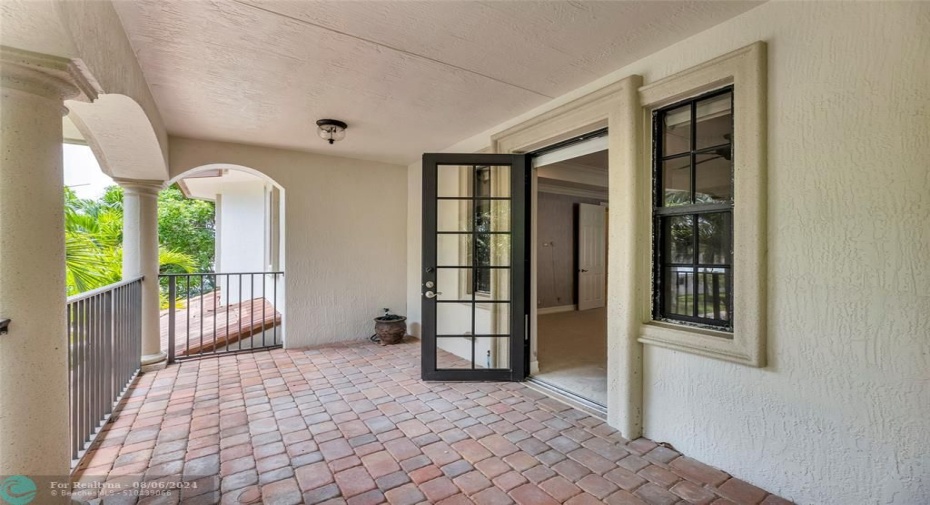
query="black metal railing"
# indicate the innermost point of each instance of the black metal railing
(218, 313)
(705, 295)
(104, 355)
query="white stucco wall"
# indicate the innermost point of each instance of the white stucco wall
(841, 414)
(241, 227)
(344, 239)
(241, 217)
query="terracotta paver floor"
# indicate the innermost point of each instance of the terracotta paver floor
(354, 423)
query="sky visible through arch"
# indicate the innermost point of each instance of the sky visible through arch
(82, 172)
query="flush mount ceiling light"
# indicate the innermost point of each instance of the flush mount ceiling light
(332, 130)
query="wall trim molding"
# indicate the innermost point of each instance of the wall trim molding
(615, 106)
(745, 69)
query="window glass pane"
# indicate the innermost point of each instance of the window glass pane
(454, 180)
(453, 319)
(714, 238)
(492, 215)
(492, 318)
(469, 181)
(678, 232)
(454, 215)
(714, 293)
(678, 291)
(483, 182)
(494, 283)
(453, 250)
(492, 250)
(466, 215)
(676, 181)
(714, 173)
(676, 131)
(453, 353)
(714, 121)
(492, 352)
(453, 284)
(499, 179)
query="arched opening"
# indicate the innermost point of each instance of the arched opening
(121, 137)
(92, 218)
(107, 143)
(234, 301)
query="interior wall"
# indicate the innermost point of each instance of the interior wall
(841, 412)
(556, 249)
(344, 239)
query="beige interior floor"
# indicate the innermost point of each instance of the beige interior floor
(572, 352)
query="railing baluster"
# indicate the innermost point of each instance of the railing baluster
(215, 294)
(227, 292)
(94, 362)
(107, 353)
(124, 322)
(100, 403)
(243, 308)
(274, 305)
(172, 294)
(264, 317)
(137, 336)
(251, 310)
(239, 315)
(187, 306)
(84, 341)
(200, 295)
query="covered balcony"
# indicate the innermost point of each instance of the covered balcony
(657, 253)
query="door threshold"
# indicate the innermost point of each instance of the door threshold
(565, 396)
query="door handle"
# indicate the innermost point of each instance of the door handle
(583, 270)
(431, 295)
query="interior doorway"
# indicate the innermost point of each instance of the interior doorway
(570, 238)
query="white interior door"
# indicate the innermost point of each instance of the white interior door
(592, 256)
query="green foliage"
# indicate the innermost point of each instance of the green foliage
(188, 226)
(94, 240)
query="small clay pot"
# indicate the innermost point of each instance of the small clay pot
(390, 332)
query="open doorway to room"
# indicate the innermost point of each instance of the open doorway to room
(571, 195)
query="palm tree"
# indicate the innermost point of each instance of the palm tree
(94, 244)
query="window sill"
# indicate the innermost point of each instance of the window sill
(704, 342)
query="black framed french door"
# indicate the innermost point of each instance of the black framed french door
(475, 269)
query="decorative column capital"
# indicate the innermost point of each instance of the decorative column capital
(45, 75)
(141, 187)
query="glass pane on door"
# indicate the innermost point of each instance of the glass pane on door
(473, 253)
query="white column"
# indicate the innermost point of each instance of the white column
(140, 258)
(34, 409)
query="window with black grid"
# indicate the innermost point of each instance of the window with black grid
(693, 211)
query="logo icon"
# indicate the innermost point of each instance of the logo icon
(17, 490)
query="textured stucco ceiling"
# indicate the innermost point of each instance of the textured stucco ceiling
(408, 77)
